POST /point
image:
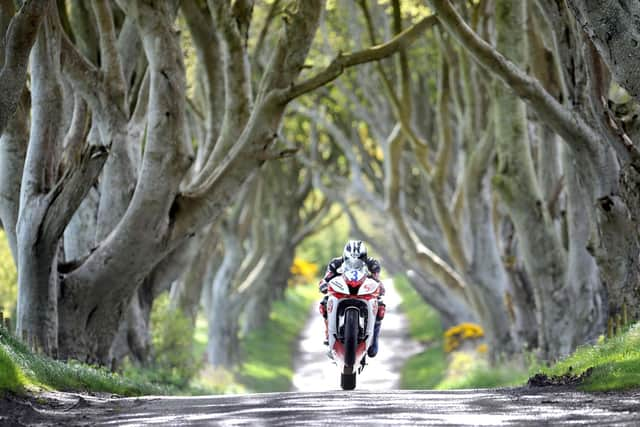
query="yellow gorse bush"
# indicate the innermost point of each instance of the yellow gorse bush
(454, 336)
(303, 269)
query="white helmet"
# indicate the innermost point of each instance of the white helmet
(354, 249)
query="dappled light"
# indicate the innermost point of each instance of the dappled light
(313, 205)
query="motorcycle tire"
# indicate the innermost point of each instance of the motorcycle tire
(348, 381)
(351, 328)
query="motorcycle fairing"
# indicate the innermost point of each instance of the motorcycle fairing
(369, 287)
(338, 285)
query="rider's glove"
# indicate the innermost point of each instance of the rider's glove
(323, 287)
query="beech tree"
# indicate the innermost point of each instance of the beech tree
(536, 238)
(113, 184)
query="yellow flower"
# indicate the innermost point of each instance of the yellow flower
(304, 269)
(454, 335)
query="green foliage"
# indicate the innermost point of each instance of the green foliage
(268, 363)
(465, 370)
(321, 247)
(11, 377)
(8, 278)
(615, 363)
(424, 370)
(21, 370)
(424, 321)
(200, 337)
(174, 362)
(432, 368)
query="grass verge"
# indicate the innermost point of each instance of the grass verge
(22, 371)
(466, 370)
(435, 369)
(426, 369)
(269, 351)
(614, 363)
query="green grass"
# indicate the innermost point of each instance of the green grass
(425, 370)
(22, 371)
(200, 337)
(433, 368)
(424, 321)
(268, 361)
(476, 373)
(615, 363)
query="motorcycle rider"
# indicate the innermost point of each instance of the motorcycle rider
(353, 249)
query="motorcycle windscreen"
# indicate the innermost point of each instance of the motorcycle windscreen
(355, 271)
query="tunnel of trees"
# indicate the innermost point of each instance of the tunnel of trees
(190, 146)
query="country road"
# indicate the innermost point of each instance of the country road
(317, 400)
(534, 407)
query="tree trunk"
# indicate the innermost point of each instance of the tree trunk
(516, 182)
(452, 310)
(589, 302)
(36, 248)
(486, 271)
(223, 314)
(13, 150)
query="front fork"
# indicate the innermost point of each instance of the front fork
(334, 322)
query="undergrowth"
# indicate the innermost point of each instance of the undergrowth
(614, 363)
(433, 368)
(268, 351)
(22, 371)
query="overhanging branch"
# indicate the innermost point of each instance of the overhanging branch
(374, 53)
(71, 189)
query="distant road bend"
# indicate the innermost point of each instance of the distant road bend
(537, 407)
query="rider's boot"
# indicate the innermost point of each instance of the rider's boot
(373, 349)
(326, 332)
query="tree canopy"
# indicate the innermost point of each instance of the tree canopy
(487, 149)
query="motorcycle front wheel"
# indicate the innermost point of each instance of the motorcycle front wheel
(351, 328)
(348, 381)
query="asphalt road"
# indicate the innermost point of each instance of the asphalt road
(534, 407)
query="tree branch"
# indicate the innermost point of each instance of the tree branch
(576, 133)
(374, 53)
(109, 57)
(83, 75)
(65, 197)
(20, 37)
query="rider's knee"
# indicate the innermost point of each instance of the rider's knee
(382, 309)
(323, 307)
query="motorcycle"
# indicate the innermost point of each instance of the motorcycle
(352, 307)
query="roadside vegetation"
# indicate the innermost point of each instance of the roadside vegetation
(269, 351)
(267, 361)
(444, 364)
(177, 364)
(22, 371)
(611, 364)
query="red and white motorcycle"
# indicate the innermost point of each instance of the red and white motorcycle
(352, 307)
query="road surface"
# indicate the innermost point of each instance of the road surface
(533, 407)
